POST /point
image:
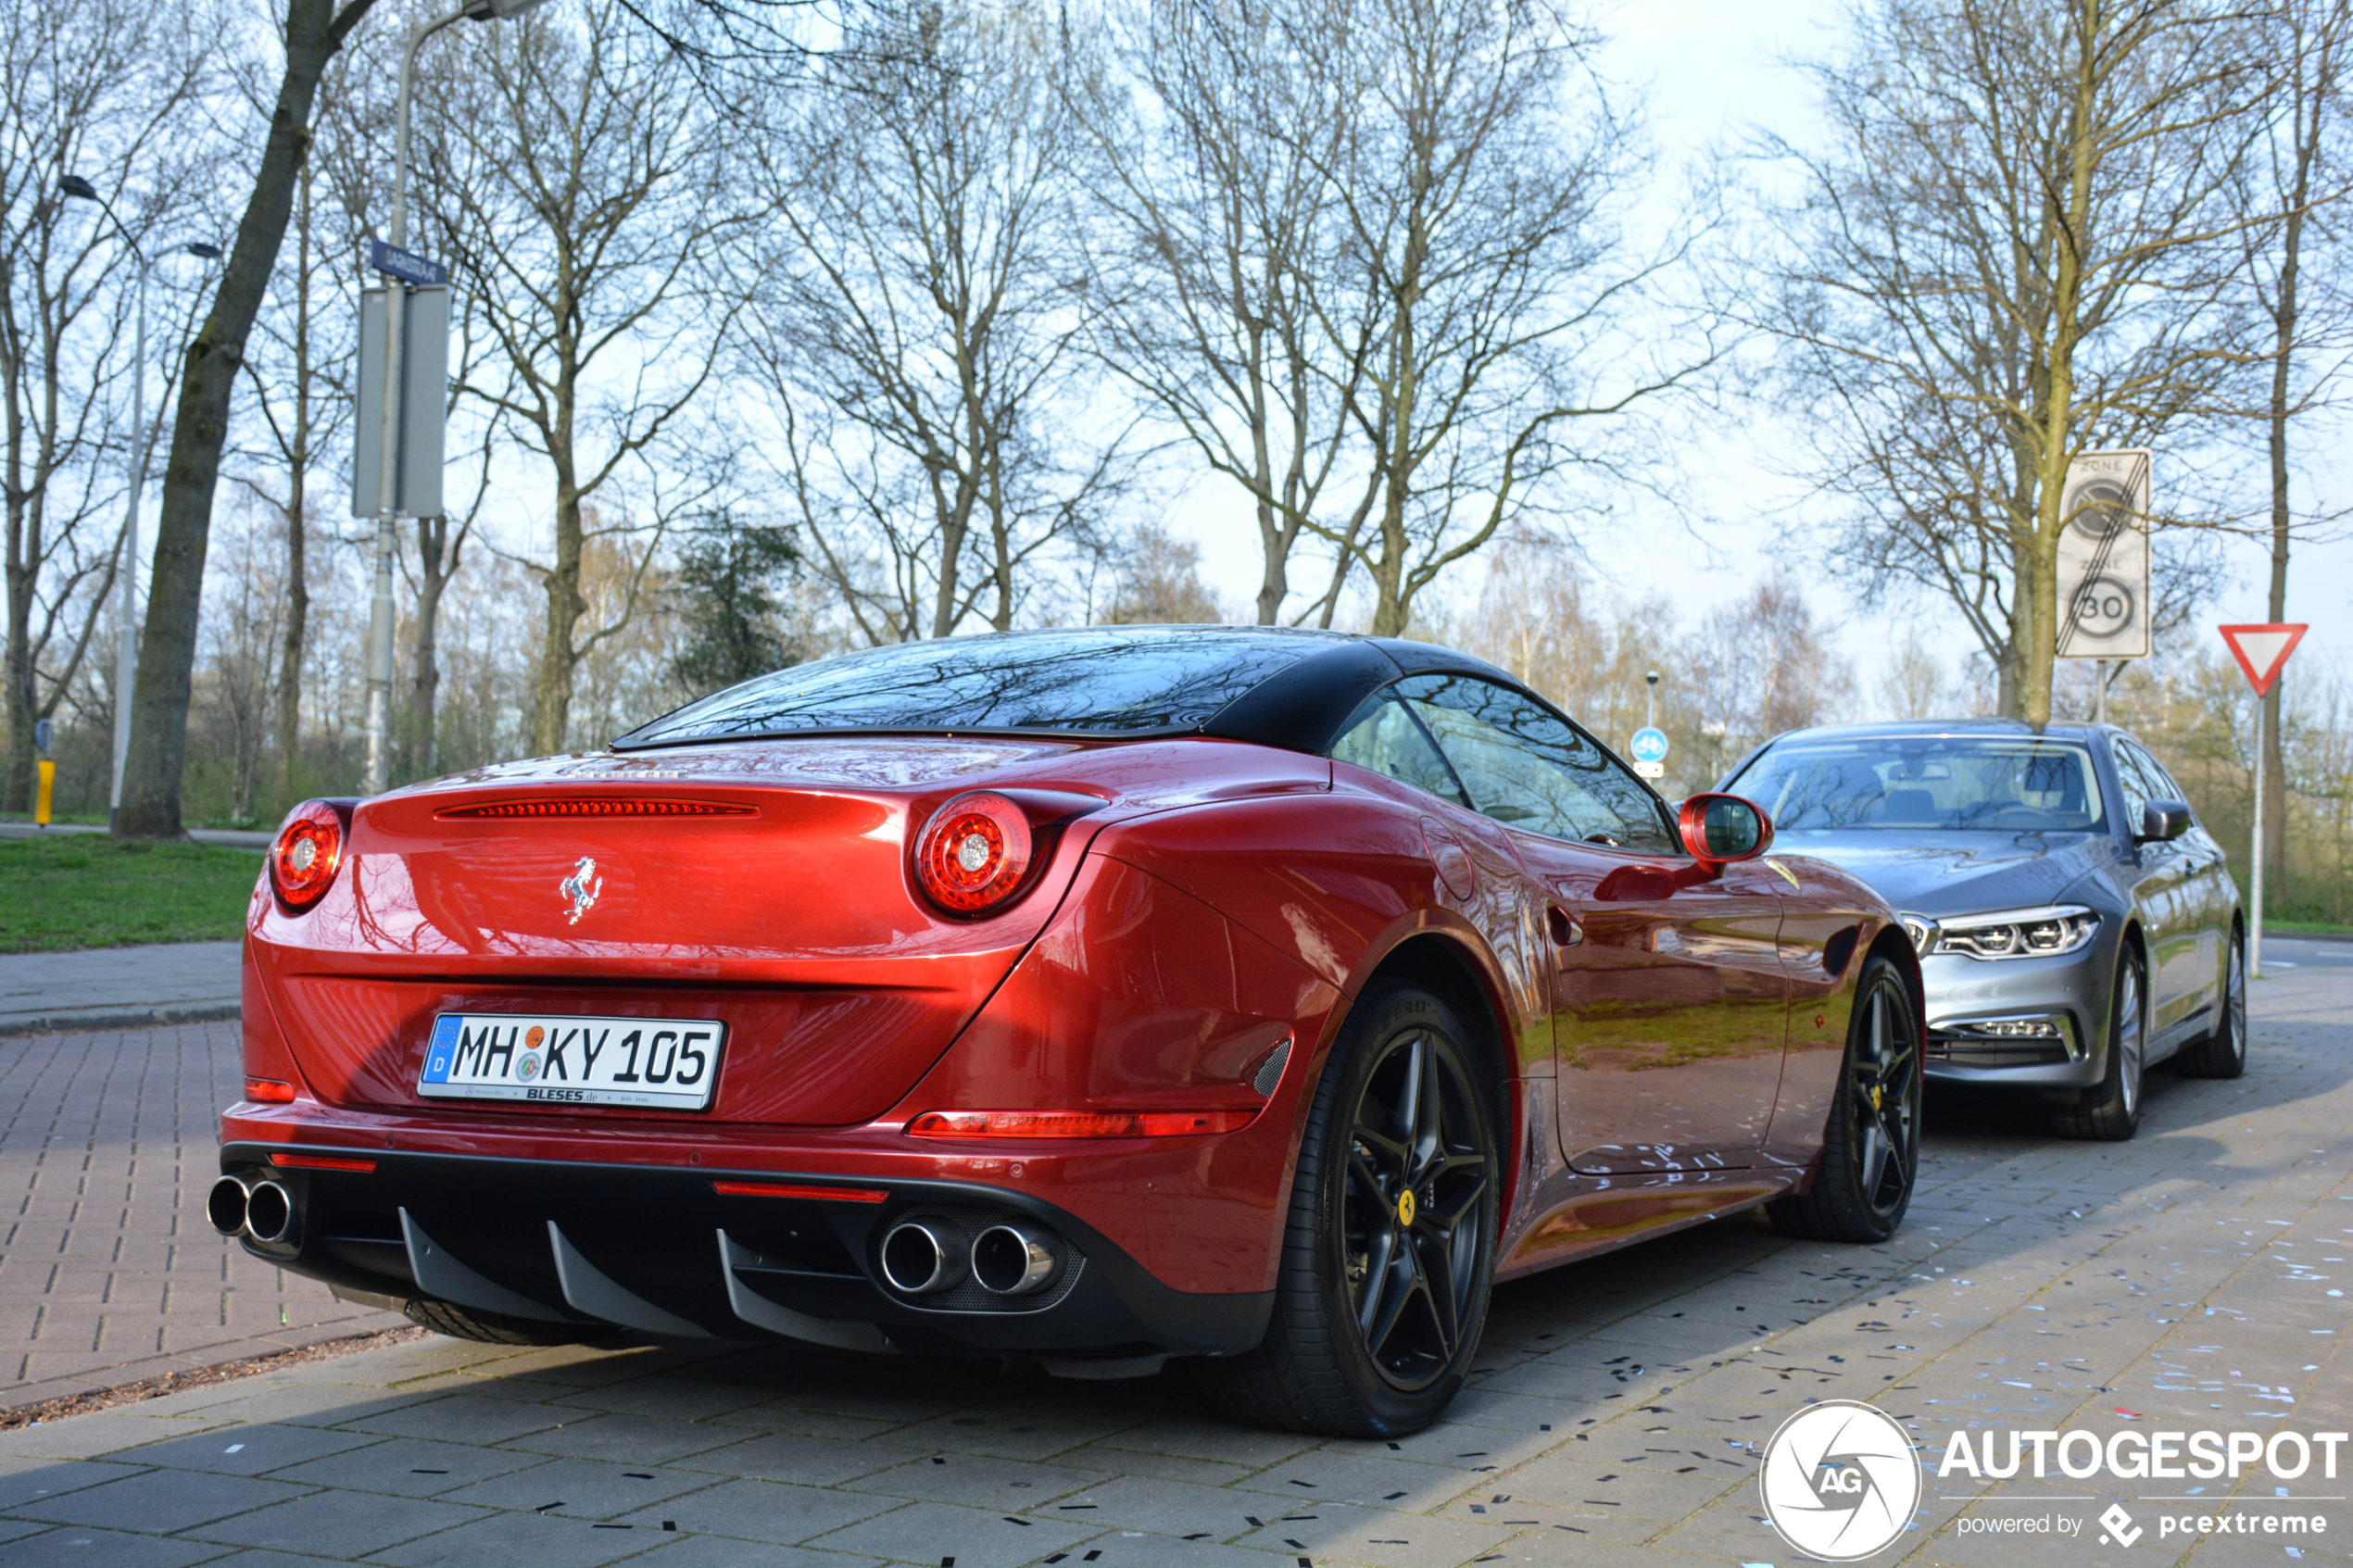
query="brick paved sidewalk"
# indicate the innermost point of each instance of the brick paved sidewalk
(109, 1272)
(2180, 1280)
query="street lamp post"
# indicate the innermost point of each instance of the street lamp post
(126, 663)
(380, 612)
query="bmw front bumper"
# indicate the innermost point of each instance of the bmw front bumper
(2023, 1023)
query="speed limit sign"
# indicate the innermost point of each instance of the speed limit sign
(2104, 556)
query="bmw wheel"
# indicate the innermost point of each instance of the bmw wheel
(2110, 1109)
(1389, 1257)
(2222, 1054)
(1871, 1143)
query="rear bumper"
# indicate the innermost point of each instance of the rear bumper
(660, 1249)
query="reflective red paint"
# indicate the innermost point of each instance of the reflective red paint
(1651, 1017)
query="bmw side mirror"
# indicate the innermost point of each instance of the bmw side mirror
(1719, 829)
(2164, 820)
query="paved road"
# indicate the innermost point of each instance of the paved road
(2183, 1280)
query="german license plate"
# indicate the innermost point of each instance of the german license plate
(670, 1063)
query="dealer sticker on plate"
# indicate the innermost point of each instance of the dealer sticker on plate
(667, 1063)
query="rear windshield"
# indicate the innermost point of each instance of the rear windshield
(1095, 680)
(1934, 783)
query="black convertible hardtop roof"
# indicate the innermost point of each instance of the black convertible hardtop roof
(1290, 687)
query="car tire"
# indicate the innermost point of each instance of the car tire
(2110, 1109)
(1382, 1297)
(1871, 1143)
(2222, 1054)
(497, 1328)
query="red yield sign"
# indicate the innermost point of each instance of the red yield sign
(2262, 650)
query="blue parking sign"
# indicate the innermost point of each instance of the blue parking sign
(1649, 744)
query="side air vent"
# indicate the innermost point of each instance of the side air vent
(592, 805)
(1271, 1071)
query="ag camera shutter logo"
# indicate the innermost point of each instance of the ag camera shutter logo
(1840, 1482)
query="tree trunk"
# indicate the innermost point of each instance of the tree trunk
(298, 503)
(2274, 760)
(315, 30)
(24, 700)
(551, 718)
(2311, 121)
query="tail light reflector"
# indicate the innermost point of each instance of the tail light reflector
(1076, 1124)
(320, 1162)
(268, 1091)
(794, 1189)
(306, 854)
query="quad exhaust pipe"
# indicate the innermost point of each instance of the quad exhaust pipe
(258, 1209)
(925, 1257)
(1013, 1260)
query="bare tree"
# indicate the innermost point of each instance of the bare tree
(1761, 665)
(920, 303)
(2012, 249)
(2292, 184)
(313, 32)
(574, 180)
(1157, 582)
(1215, 166)
(100, 85)
(1482, 270)
(301, 384)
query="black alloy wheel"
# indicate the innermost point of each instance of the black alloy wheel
(1419, 1174)
(1872, 1142)
(2222, 1054)
(1389, 1255)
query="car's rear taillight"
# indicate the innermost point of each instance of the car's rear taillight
(982, 850)
(975, 853)
(306, 854)
(268, 1091)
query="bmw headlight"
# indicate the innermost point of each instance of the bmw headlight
(2041, 933)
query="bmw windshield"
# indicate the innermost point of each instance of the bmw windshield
(1934, 783)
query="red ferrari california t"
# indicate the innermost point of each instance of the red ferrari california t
(1095, 996)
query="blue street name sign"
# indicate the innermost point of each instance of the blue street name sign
(408, 267)
(1648, 745)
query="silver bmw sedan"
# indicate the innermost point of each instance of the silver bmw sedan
(2075, 922)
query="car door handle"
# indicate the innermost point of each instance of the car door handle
(1567, 932)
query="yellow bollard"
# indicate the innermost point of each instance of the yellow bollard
(46, 774)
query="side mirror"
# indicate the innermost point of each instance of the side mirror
(1719, 829)
(2164, 820)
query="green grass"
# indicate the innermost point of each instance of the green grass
(2315, 928)
(84, 890)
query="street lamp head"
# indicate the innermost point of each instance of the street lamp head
(499, 10)
(1652, 677)
(198, 247)
(76, 186)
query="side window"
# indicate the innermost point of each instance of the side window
(1523, 765)
(2160, 781)
(1383, 737)
(2139, 789)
